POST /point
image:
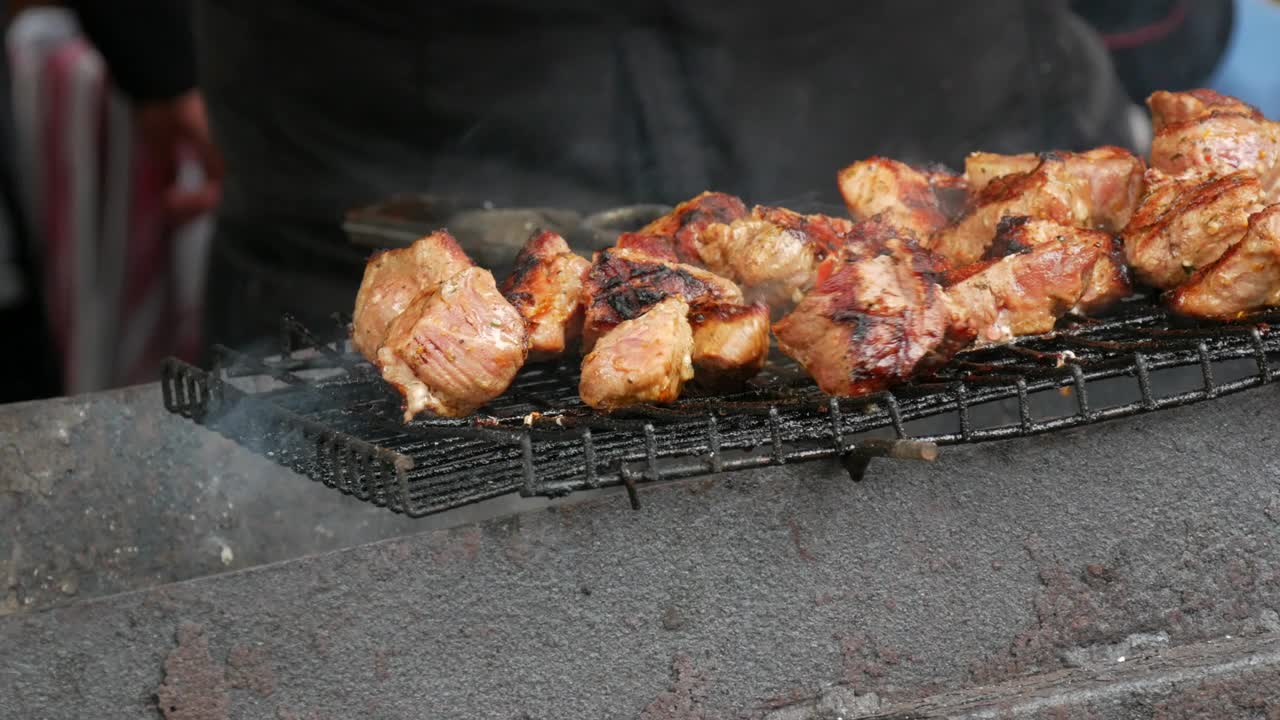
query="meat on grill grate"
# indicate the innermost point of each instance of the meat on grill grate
(774, 253)
(545, 288)
(874, 322)
(1170, 108)
(1202, 134)
(455, 348)
(912, 200)
(1095, 189)
(1246, 277)
(675, 234)
(730, 343)
(394, 278)
(622, 284)
(1184, 224)
(645, 359)
(873, 300)
(730, 339)
(1052, 269)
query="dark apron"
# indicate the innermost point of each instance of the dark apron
(322, 106)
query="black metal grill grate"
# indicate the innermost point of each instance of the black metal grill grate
(323, 412)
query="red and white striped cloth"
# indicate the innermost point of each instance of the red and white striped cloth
(122, 289)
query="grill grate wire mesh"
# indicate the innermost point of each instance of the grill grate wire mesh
(320, 410)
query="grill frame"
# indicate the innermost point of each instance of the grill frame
(341, 430)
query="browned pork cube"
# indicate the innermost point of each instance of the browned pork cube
(545, 288)
(1183, 225)
(393, 278)
(645, 359)
(1170, 108)
(1205, 139)
(910, 199)
(871, 324)
(680, 229)
(730, 343)
(1098, 189)
(1245, 278)
(623, 284)
(773, 253)
(455, 347)
(1052, 270)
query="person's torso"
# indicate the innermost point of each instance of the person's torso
(323, 105)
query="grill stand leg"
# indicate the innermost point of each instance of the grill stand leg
(629, 481)
(855, 463)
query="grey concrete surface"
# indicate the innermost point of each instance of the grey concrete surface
(107, 492)
(1228, 678)
(733, 597)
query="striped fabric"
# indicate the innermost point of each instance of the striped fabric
(122, 289)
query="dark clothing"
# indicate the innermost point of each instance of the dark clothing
(323, 105)
(1161, 44)
(147, 44)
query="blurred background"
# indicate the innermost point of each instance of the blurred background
(177, 173)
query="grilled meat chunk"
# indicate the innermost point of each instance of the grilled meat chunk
(773, 253)
(1215, 139)
(879, 236)
(645, 359)
(622, 284)
(1183, 225)
(393, 278)
(1109, 278)
(656, 247)
(455, 348)
(680, 228)
(1097, 189)
(1101, 168)
(980, 168)
(545, 288)
(1053, 269)
(1171, 108)
(910, 199)
(1027, 194)
(1246, 277)
(870, 324)
(730, 343)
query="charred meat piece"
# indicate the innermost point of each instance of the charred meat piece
(680, 228)
(623, 284)
(1246, 277)
(879, 236)
(911, 199)
(1109, 279)
(871, 324)
(824, 231)
(1107, 170)
(730, 343)
(1097, 189)
(1107, 180)
(1054, 269)
(545, 288)
(1171, 108)
(1218, 139)
(773, 253)
(658, 248)
(455, 347)
(980, 168)
(393, 278)
(645, 359)
(1028, 194)
(1183, 225)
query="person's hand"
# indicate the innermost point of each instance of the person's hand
(174, 130)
